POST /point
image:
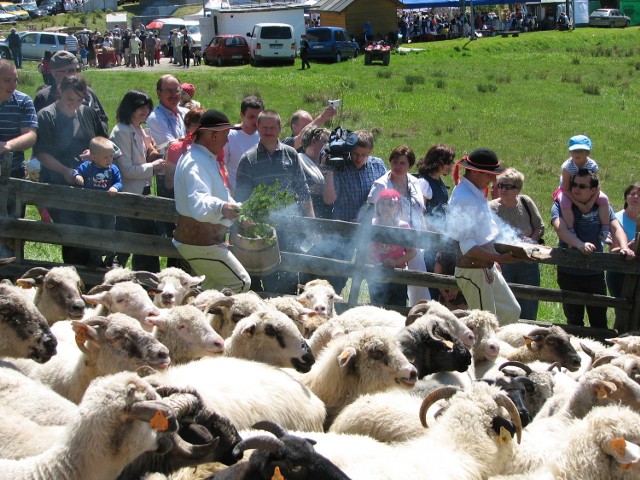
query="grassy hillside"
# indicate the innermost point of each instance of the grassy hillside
(523, 97)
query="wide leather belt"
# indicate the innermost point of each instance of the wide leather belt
(192, 232)
(465, 261)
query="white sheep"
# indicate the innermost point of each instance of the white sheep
(458, 328)
(186, 332)
(270, 337)
(226, 312)
(106, 346)
(247, 392)
(57, 292)
(319, 296)
(22, 437)
(305, 319)
(203, 299)
(173, 285)
(626, 344)
(120, 418)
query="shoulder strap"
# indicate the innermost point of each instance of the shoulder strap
(525, 203)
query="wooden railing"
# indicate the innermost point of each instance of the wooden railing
(627, 307)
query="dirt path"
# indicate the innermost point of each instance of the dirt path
(163, 67)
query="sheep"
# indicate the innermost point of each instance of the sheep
(123, 297)
(186, 332)
(106, 346)
(122, 274)
(173, 285)
(626, 344)
(226, 312)
(305, 319)
(360, 362)
(203, 299)
(24, 331)
(57, 292)
(270, 337)
(539, 390)
(458, 328)
(120, 418)
(320, 296)
(283, 456)
(246, 392)
(550, 344)
(485, 326)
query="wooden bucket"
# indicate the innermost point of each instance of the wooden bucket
(257, 255)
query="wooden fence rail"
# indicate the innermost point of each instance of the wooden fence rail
(24, 192)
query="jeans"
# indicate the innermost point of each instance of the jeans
(526, 274)
(16, 53)
(585, 284)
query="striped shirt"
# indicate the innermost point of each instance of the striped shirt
(71, 44)
(17, 113)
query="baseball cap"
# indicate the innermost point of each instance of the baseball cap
(579, 142)
(63, 58)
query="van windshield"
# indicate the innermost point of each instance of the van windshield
(319, 36)
(193, 29)
(275, 33)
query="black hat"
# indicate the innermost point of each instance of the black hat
(483, 160)
(214, 120)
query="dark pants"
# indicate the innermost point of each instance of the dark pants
(71, 255)
(593, 284)
(304, 56)
(281, 282)
(387, 294)
(524, 273)
(186, 56)
(138, 225)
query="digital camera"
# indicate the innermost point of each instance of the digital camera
(334, 103)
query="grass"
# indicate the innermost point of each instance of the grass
(523, 97)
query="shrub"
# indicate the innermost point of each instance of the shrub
(591, 89)
(486, 88)
(414, 79)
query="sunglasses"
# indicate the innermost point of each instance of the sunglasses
(581, 186)
(506, 186)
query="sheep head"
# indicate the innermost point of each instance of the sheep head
(553, 344)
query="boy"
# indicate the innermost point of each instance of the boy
(99, 173)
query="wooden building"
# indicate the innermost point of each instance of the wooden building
(352, 15)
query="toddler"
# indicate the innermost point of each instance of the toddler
(579, 149)
(44, 67)
(84, 56)
(388, 209)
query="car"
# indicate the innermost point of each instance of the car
(34, 44)
(272, 42)
(33, 10)
(51, 6)
(14, 9)
(226, 49)
(6, 17)
(164, 26)
(333, 43)
(608, 17)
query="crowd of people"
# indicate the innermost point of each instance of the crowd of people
(211, 165)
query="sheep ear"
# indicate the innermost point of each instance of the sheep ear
(624, 452)
(603, 389)
(26, 282)
(98, 298)
(84, 333)
(302, 298)
(347, 356)
(532, 342)
(197, 280)
(159, 321)
(338, 299)
(249, 330)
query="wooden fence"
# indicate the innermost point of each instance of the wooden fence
(18, 231)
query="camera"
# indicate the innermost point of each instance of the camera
(334, 103)
(338, 150)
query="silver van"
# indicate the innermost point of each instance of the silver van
(170, 24)
(272, 42)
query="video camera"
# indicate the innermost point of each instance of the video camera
(341, 142)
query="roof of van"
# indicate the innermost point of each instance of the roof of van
(272, 25)
(176, 21)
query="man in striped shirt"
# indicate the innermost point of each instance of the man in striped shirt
(71, 43)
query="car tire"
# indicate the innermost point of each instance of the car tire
(386, 57)
(367, 59)
(626, 24)
(338, 57)
(219, 61)
(612, 25)
(5, 53)
(355, 53)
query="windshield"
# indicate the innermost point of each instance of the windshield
(193, 29)
(10, 8)
(600, 13)
(275, 33)
(319, 36)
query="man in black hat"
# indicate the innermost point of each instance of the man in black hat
(469, 221)
(206, 209)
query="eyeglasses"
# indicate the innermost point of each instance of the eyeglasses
(581, 186)
(171, 90)
(69, 70)
(506, 186)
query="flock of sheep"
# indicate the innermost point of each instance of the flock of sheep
(147, 377)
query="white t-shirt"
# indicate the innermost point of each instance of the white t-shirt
(237, 144)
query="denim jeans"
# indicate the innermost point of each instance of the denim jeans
(524, 273)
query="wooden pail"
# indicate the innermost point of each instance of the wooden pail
(257, 255)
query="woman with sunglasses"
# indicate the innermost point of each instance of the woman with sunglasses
(521, 213)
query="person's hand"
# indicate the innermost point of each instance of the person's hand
(159, 166)
(328, 113)
(587, 248)
(508, 258)
(84, 156)
(112, 191)
(449, 295)
(79, 181)
(231, 210)
(627, 253)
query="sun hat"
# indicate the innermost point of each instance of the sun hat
(61, 59)
(189, 89)
(579, 142)
(214, 120)
(482, 160)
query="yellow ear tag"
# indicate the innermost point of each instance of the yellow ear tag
(449, 344)
(602, 393)
(527, 341)
(159, 421)
(277, 475)
(619, 445)
(81, 336)
(505, 436)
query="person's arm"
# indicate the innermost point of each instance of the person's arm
(537, 224)
(22, 142)
(620, 242)
(129, 167)
(487, 253)
(329, 195)
(409, 254)
(327, 114)
(570, 238)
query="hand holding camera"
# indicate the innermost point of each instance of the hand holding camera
(334, 103)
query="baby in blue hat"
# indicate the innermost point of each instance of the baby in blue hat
(579, 149)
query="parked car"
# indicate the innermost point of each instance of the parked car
(6, 17)
(51, 6)
(608, 17)
(272, 42)
(164, 27)
(331, 43)
(34, 44)
(33, 10)
(226, 49)
(15, 10)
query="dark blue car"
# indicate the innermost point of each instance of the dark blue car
(332, 43)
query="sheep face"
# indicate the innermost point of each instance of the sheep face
(305, 319)
(628, 344)
(58, 292)
(174, 283)
(553, 344)
(24, 332)
(320, 297)
(484, 325)
(128, 298)
(228, 311)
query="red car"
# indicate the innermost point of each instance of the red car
(226, 49)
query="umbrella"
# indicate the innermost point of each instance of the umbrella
(155, 25)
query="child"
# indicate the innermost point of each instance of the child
(387, 213)
(84, 56)
(579, 149)
(186, 96)
(197, 58)
(99, 173)
(45, 68)
(33, 167)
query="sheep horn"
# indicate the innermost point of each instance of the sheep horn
(502, 400)
(262, 442)
(148, 409)
(214, 307)
(183, 403)
(144, 275)
(557, 365)
(97, 321)
(514, 363)
(433, 397)
(544, 331)
(416, 312)
(587, 350)
(188, 450)
(37, 273)
(191, 293)
(99, 289)
(629, 365)
(460, 313)
(603, 360)
(270, 427)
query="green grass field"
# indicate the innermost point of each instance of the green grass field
(523, 97)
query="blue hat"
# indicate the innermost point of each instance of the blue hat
(579, 142)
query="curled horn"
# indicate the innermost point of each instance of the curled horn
(97, 321)
(502, 400)
(539, 331)
(433, 397)
(144, 275)
(36, 273)
(603, 360)
(416, 312)
(557, 365)
(270, 427)
(99, 289)
(188, 450)
(191, 293)
(183, 403)
(629, 365)
(514, 363)
(214, 307)
(146, 410)
(262, 442)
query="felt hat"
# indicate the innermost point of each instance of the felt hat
(63, 58)
(482, 160)
(214, 120)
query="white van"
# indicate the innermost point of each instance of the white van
(170, 24)
(272, 42)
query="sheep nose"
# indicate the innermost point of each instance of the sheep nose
(77, 307)
(320, 308)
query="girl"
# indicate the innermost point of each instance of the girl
(45, 68)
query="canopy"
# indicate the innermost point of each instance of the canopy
(449, 3)
(155, 25)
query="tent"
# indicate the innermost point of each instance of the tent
(408, 4)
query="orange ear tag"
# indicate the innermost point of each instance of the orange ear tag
(277, 475)
(527, 341)
(504, 438)
(159, 421)
(81, 336)
(619, 445)
(602, 393)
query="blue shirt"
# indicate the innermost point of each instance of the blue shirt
(97, 178)
(353, 186)
(166, 126)
(628, 224)
(16, 113)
